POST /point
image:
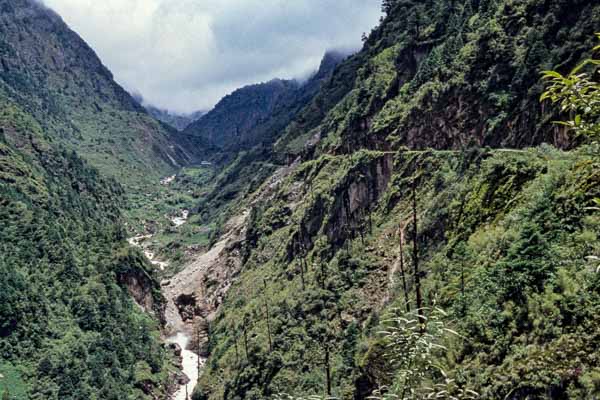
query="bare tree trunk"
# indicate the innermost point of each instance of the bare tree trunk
(417, 273)
(404, 285)
(303, 253)
(463, 302)
(198, 346)
(462, 279)
(268, 319)
(322, 275)
(327, 370)
(302, 273)
(237, 353)
(246, 339)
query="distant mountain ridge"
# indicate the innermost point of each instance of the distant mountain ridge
(257, 114)
(175, 120)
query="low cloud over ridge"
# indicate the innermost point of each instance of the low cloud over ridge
(184, 55)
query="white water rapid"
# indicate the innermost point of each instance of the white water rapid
(190, 366)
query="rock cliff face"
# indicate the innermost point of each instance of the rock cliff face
(144, 290)
(345, 212)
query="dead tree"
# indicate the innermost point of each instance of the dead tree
(417, 272)
(237, 353)
(402, 272)
(268, 319)
(198, 346)
(303, 252)
(327, 370)
(245, 326)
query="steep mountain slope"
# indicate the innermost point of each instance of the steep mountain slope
(256, 114)
(366, 221)
(52, 74)
(68, 327)
(502, 240)
(448, 74)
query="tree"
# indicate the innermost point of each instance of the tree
(267, 315)
(577, 94)
(417, 272)
(6, 395)
(402, 270)
(387, 6)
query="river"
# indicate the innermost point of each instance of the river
(190, 360)
(190, 366)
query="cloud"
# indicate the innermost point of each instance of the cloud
(184, 55)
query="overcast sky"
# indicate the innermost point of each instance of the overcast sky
(184, 55)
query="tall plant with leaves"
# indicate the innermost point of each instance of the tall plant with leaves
(578, 94)
(415, 343)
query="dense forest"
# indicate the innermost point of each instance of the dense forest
(417, 220)
(68, 328)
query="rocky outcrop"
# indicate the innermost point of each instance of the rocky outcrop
(141, 289)
(195, 294)
(134, 275)
(344, 213)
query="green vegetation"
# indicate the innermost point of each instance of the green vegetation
(449, 74)
(503, 237)
(155, 210)
(579, 95)
(11, 383)
(57, 78)
(379, 208)
(369, 223)
(67, 322)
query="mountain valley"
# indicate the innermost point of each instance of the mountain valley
(410, 222)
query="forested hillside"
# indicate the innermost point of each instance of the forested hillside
(68, 328)
(51, 73)
(449, 74)
(411, 195)
(409, 223)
